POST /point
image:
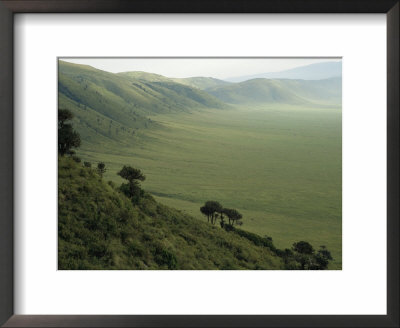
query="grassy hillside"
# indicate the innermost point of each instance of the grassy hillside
(276, 157)
(299, 92)
(144, 76)
(110, 107)
(199, 82)
(135, 94)
(279, 165)
(99, 228)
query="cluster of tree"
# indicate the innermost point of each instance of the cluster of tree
(132, 189)
(302, 256)
(68, 138)
(215, 211)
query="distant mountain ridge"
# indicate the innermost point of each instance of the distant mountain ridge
(301, 92)
(318, 71)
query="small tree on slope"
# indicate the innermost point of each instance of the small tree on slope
(132, 188)
(67, 137)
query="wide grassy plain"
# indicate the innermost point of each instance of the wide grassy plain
(279, 165)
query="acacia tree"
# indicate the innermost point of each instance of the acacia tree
(132, 188)
(215, 208)
(221, 212)
(233, 215)
(206, 211)
(67, 137)
(211, 209)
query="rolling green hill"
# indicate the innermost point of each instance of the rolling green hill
(199, 82)
(99, 228)
(144, 76)
(299, 92)
(104, 91)
(114, 108)
(274, 153)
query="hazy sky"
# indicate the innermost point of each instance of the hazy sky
(188, 67)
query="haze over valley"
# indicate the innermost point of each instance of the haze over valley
(267, 144)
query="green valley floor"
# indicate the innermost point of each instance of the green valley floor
(280, 166)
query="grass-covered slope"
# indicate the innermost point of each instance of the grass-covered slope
(201, 82)
(111, 108)
(198, 82)
(144, 76)
(136, 94)
(99, 228)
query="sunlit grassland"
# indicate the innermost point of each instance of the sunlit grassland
(278, 165)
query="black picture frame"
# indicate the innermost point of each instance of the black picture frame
(10, 7)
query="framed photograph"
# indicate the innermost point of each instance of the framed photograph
(213, 164)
